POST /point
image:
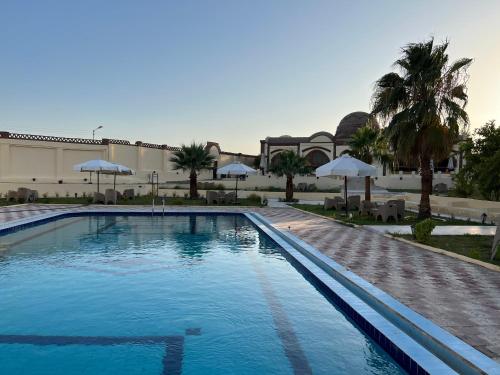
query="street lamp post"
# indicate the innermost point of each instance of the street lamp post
(93, 138)
(93, 131)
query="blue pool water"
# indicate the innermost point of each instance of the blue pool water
(167, 295)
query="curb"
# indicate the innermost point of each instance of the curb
(328, 218)
(477, 262)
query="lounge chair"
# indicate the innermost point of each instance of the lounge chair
(110, 196)
(387, 211)
(98, 198)
(367, 208)
(128, 194)
(400, 204)
(353, 202)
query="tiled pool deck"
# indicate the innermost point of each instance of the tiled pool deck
(461, 297)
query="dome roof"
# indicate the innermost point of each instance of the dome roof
(352, 122)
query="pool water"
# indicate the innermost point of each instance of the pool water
(190, 294)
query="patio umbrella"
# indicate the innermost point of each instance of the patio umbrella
(346, 166)
(122, 171)
(100, 166)
(238, 169)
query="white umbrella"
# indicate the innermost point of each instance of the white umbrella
(346, 166)
(102, 167)
(451, 165)
(237, 169)
(122, 171)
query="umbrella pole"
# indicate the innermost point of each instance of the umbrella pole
(345, 195)
(114, 186)
(98, 181)
(236, 199)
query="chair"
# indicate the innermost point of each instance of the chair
(221, 197)
(230, 198)
(212, 197)
(11, 195)
(387, 211)
(25, 195)
(302, 186)
(400, 204)
(353, 202)
(110, 196)
(440, 188)
(367, 208)
(336, 203)
(98, 198)
(128, 194)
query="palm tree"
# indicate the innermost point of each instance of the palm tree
(289, 164)
(424, 106)
(382, 152)
(361, 147)
(192, 158)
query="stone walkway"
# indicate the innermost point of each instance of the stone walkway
(461, 297)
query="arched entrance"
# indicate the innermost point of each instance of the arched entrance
(317, 158)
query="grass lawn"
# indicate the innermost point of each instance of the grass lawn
(410, 217)
(472, 246)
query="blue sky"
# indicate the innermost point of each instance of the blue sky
(226, 71)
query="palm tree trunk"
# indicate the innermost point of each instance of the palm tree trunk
(289, 189)
(368, 195)
(424, 209)
(193, 188)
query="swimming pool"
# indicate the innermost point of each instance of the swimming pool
(191, 294)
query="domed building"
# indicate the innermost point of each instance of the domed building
(320, 147)
(351, 123)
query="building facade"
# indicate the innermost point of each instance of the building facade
(319, 148)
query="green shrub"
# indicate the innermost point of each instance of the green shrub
(254, 198)
(464, 186)
(176, 201)
(423, 230)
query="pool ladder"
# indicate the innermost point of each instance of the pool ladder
(162, 209)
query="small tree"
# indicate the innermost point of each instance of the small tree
(289, 164)
(361, 145)
(192, 158)
(482, 168)
(368, 143)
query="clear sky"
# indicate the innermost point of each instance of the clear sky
(230, 71)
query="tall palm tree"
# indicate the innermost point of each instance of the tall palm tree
(361, 147)
(192, 158)
(424, 106)
(289, 164)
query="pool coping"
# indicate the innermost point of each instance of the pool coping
(408, 335)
